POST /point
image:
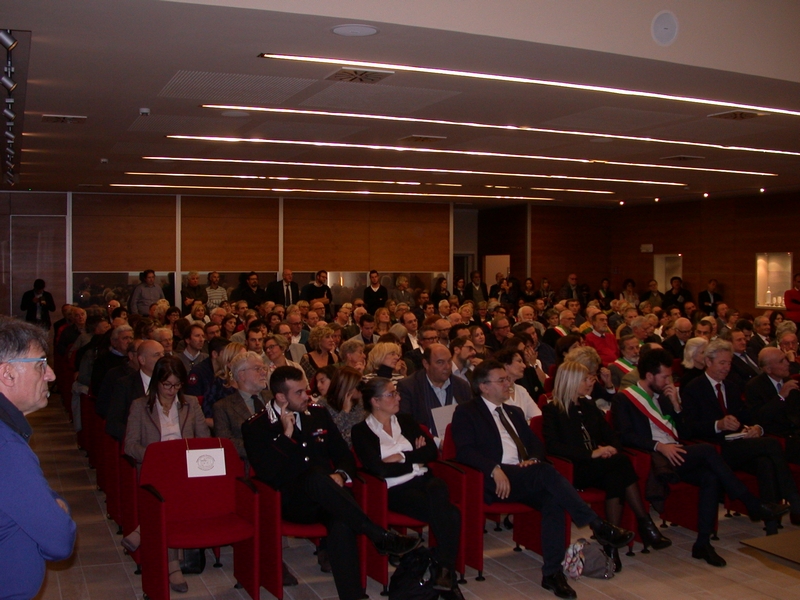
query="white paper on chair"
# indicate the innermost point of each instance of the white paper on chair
(208, 462)
(442, 416)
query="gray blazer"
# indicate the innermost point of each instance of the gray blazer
(144, 426)
(229, 414)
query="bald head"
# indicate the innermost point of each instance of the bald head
(683, 329)
(774, 362)
(148, 353)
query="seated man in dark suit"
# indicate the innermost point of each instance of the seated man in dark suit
(106, 389)
(743, 367)
(675, 343)
(249, 376)
(495, 439)
(713, 408)
(775, 400)
(760, 338)
(648, 416)
(131, 387)
(297, 449)
(426, 336)
(432, 386)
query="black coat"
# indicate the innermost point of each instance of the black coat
(277, 293)
(633, 427)
(776, 415)
(562, 431)
(278, 460)
(28, 304)
(701, 409)
(125, 391)
(367, 446)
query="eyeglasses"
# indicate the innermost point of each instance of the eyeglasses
(270, 346)
(258, 369)
(394, 394)
(499, 380)
(40, 362)
(430, 339)
(170, 386)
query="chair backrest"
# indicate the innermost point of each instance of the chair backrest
(448, 445)
(543, 399)
(164, 467)
(537, 426)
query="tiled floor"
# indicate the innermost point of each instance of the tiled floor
(99, 570)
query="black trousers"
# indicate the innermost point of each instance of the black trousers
(314, 497)
(763, 457)
(704, 467)
(612, 474)
(546, 490)
(426, 498)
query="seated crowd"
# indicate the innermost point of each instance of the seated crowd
(272, 368)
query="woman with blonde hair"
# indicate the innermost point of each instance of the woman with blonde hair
(576, 429)
(221, 386)
(694, 359)
(384, 361)
(322, 351)
(275, 346)
(383, 321)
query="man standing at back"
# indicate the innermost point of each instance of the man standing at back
(375, 295)
(35, 525)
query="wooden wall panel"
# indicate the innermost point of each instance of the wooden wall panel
(123, 233)
(38, 247)
(38, 203)
(409, 237)
(229, 234)
(503, 231)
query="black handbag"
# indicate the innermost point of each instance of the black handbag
(412, 580)
(194, 561)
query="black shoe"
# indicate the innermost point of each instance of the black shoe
(651, 536)
(288, 579)
(611, 535)
(508, 523)
(454, 594)
(613, 553)
(324, 561)
(557, 584)
(396, 544)
(769, 511)
(707, 553)
(443, 578)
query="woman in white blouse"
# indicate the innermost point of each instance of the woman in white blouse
(514, 362)
(392, 446)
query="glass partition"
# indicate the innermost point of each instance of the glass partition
(773, 278)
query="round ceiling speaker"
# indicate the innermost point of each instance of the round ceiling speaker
(664, 28)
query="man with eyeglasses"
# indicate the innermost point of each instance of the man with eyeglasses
(495, 438)
(426, 336)
(675, 343)
(442, 327)
(34, 520)
(249, 376)
(787, 342)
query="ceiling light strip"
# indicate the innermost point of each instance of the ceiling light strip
(528, 81)
(589, 134)
(359, 181)
(346, 192)
(585, 161)
(244, 161)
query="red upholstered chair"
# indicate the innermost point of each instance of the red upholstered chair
(110, 452)
(594, 497)
(677, 368)
(376, 507)
(274, 527)
(85, 436)
(527, 521)
(129, 502)
(176, 511)
(543, 399)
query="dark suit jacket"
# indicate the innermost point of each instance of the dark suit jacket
(754, 346)
(776, 415)
(706, 303)
(673, 345)
(29, 306)
(106, 390)
(478, 442)
(229, 414)
(469, 289)
(278, 460)
(741, 371)
(701, 409)
(374, 299)
(367, 446)
(562, 431)
(102, 365)
(633, 428)
(277, 293)
(126, 390)
(417, 398)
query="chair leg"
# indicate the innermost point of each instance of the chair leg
(461, 579)
(480, 576)
(138, 570)
(517, 548)
(217, 564)
(385, 591)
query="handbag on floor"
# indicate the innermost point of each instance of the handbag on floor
(412, 580)
(194, 561)
(589, 560)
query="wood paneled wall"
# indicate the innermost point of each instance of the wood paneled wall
(359, 236)
(231, 234)
(503, 231)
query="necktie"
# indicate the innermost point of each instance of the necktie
(258, 405)
(288, 295)
(721, 399)
(779, 385)
(523, 453)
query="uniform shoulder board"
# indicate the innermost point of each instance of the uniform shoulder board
(259, 414)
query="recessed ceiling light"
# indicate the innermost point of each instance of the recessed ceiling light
(355, 30)
(586, 161)
(705, 195)
(762, 190)
(311, 191)
(656, 199)
(243, 161)
(622, 202)
(526, 80)
(593, 135)
(235, 114)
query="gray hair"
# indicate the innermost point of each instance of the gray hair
(350, 346)
(716, 347)
(118, 331)
(693, 346)
(239, 363)
(639, 322)
(785, 327)
(17, 338)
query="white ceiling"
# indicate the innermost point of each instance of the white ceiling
(107, 60)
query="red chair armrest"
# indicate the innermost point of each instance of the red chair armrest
(562, 465)
(377, 507)
(246, 499)
(454, 476)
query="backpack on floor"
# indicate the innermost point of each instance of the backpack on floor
(412, 580)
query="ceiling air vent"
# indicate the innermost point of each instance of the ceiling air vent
(422, 139)
(359, 75)
(737, 115)
(682, 158)
(65, 119)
